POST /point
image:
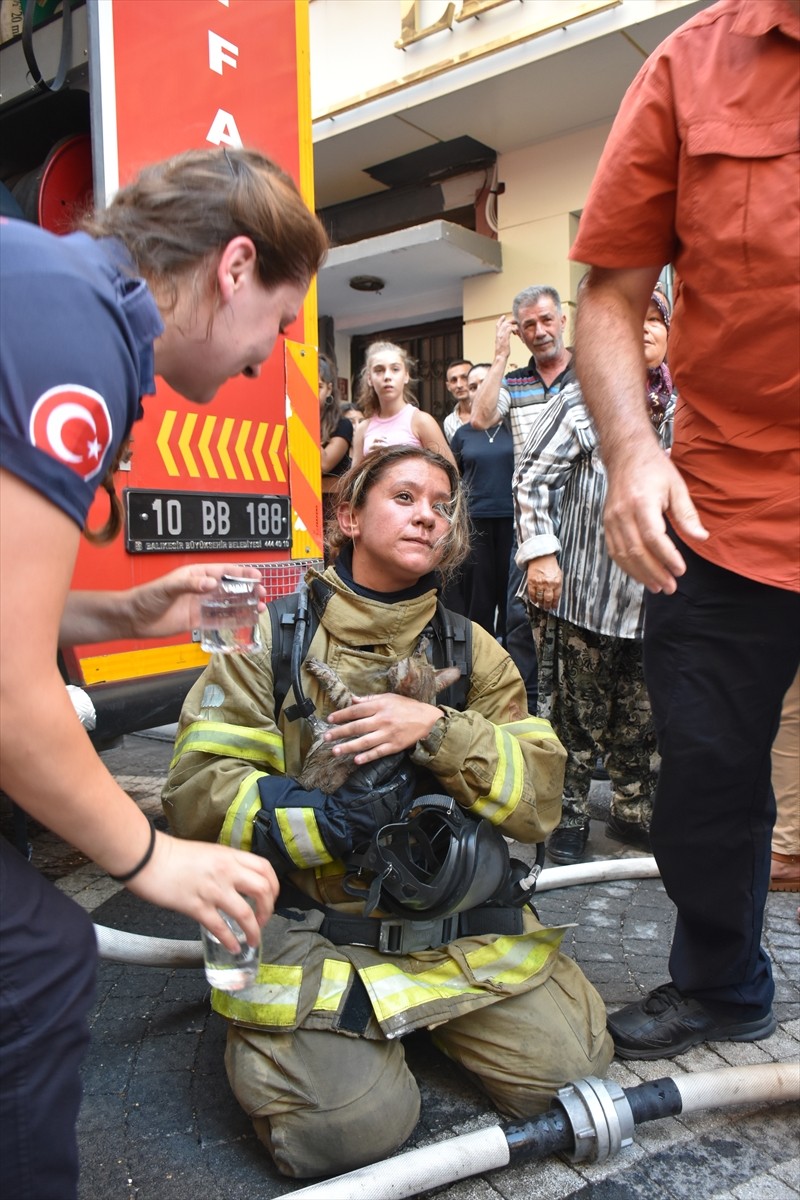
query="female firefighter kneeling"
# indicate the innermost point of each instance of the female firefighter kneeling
(314, 1052)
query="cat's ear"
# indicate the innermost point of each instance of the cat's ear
(445, 677)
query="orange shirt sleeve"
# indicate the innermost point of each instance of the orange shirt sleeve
(629, 217)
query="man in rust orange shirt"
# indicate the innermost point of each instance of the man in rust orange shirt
(701, 170)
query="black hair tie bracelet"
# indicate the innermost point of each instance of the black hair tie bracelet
(139, 866)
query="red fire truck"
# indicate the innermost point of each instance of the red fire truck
(135, 81)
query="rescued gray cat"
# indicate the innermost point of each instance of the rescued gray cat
(413, 676)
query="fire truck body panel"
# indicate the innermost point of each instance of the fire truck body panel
(239, 480)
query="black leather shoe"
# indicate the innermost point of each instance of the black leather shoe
(629, 832)
(665, 1023)
(568, 845)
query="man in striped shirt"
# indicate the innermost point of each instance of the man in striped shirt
(539, 322)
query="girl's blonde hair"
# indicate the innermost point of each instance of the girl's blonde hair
(366, 398)
(354, 487)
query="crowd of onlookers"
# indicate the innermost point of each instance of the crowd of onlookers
(539, 576)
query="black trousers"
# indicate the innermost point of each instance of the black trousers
(519, 635)
(48, 959)
(719, 656)
(487, 578)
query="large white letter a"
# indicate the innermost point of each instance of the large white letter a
(223, 131)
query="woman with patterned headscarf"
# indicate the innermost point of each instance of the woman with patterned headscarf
(659, 381)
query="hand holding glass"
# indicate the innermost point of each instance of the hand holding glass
(229, 617)
(225, 970)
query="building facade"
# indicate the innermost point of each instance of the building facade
(454, 145)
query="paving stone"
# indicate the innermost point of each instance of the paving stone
(765, 1187)
(789, 1172)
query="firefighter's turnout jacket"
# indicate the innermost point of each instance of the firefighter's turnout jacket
(496, 760)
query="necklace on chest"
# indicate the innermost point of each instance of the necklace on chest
(492, 433)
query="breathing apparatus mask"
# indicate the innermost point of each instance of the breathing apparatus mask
(435, 861)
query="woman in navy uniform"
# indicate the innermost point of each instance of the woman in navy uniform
(190, 274)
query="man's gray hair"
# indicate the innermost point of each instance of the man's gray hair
(531, 294)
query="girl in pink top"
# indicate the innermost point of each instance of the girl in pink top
(392, 416)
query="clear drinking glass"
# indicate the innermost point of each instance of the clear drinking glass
(229, 617)
(230, 972)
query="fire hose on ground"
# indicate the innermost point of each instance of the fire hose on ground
(591, 1120)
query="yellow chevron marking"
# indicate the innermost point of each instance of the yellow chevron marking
(203, 447)
(222, 448)
(280, 474)
(162, 441)
(184, 444)
(258, 457)
(241, 442)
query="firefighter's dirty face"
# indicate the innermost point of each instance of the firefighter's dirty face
(398, 531)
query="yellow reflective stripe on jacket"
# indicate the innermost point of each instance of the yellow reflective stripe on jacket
(506, 789)
(332, 985)
(508, 961)
(273, 999)
(231, 741)
(301, 837)
(237, 828)
(532, 729)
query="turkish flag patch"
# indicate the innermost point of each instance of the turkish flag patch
(72, 424)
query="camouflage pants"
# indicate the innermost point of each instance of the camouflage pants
(599, 707)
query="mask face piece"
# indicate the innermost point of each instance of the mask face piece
(436, 862)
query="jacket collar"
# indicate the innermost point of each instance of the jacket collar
(365, 622)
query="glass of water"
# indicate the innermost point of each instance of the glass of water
(227, 971)
(229, 617)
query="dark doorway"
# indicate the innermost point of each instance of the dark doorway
(431, 346)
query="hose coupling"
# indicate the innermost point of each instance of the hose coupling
(600, 1116)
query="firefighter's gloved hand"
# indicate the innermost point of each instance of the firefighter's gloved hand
(377, 793)
(296, 828)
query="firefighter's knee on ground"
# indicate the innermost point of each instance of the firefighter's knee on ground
(524, 1048)
(322, 1102)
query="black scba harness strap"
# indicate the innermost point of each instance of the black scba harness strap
(438, 875)
(294, 621)
(395, 935)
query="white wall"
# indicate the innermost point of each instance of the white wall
(546, 185)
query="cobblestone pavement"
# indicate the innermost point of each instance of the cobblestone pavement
(158, 1120)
